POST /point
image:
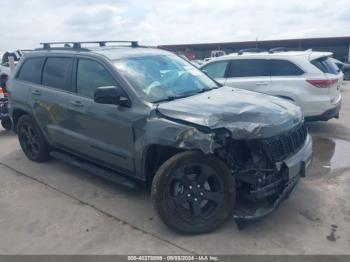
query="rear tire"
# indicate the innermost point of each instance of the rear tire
(6, 123)
(193, 193)
(32, 140)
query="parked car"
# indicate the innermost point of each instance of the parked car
(344, 67)
(142, 115)
(217, 53)
(5, 67)
(309, 79)
(197, 62)
(4, 113)
(213, 54)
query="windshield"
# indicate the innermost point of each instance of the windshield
(164, 77)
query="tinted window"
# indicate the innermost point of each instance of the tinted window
(326, 65)
(248, 67)
(216, 69)
(284, 68)
(339, 65)
(56, 73)
(91, 75)
(31, 70)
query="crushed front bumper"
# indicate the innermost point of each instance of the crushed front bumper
(296, 166)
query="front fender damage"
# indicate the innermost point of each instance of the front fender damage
(247, 160)
(193, 138)
(177, 134)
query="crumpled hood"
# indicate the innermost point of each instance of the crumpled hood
(246, 114)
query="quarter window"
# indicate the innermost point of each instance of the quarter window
(248, 68)
(326, 65)
(57, 73)
(216, 69)
(31, 70)
(91, 75)
(284, 68)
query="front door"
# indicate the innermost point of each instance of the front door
(217, 70)
(104, 132)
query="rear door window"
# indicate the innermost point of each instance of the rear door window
(284, 68)
(326, 65)
(248, 68)
(57, 73)
(31, 70)
(216, 69)
(91, 75)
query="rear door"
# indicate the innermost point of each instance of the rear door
(250, 74)
(286, 79)
(101, 132)
(48, 100)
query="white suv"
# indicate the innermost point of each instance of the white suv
(310, 79)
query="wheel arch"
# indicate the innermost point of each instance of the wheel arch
(16, 114)
(154, 156)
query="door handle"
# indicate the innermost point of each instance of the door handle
(36, 92)
(77, 103)
(261, 84)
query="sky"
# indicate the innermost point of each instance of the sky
(26, 23)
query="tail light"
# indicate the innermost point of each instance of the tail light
(322, 83)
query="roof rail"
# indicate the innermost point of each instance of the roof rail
(77, 45)
(249, 50)
(278, 49)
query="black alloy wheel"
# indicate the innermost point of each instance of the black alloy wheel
(31, 140)
(196, 190)
(193, 192)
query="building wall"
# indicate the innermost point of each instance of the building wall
(340, 46)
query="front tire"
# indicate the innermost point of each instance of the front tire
(193, 192)
(32, 140)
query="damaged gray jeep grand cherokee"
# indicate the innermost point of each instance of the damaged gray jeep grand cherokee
(133, 114)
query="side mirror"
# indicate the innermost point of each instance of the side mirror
(112, 95)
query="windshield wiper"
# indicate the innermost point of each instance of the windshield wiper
(207, 89)
(171, 98)
(203, 90)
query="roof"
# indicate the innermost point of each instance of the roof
(111, 52)
(308, 54)
(120, 52)
(114, 49)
